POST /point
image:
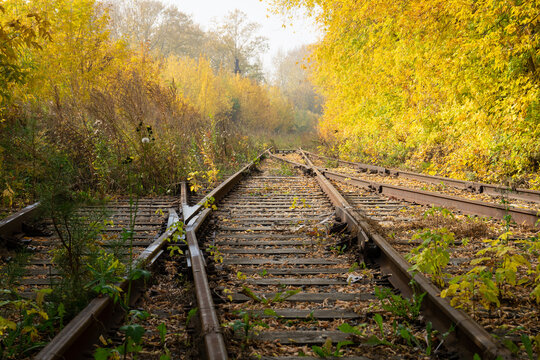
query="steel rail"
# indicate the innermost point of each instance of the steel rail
(223, 189)
(214, 343)
(13, 223)
(476, 187)
(498, 211)
(84, 330)
(468, 336)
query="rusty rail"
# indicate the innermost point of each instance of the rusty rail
(84, 330)
(476, 187)
(498, 211)
(468, 337)
(214, 344)
(521, 216)
(13, 223)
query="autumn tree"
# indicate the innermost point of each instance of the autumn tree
(449, 87)
(236, 46)
(162, 29)
(291, 76)
(17, 33)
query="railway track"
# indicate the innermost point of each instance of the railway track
(269, 273)
(147, 217)
(492, 190)
(288, 265)
(524, 213)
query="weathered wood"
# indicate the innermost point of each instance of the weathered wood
(311, 297)
(266, 243)
(256, 219)
(298, 281)
(283, 261)
(281, 228)
(34, 281)
(321, 314)
(261, 236)
(296, 271)
(302, 337)
(264, 251)
(312, 358)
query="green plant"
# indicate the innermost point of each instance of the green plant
(14, 270)
(280, 296)
(408, 309)
(215, 253)
(504, 261)
(477, 285)
(106, 274)
(353, 267)
(528, 343)
(438, 211)
(330, 163)
(328, 350)
(166, 354)
(177, 237)
(209, 203)
(498, 269)
(299, 203)
(432, 255)
(131, 343)
(30, 324)
(285, 170)
(374, 339)
(191, 314)
(339, 249)
(248, 325)
(357, 330)
(78, 251)
(195, 181)
(507, 218)
(406, 333)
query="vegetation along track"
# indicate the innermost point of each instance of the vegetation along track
(44, 256)
(147, 218)
(448, 193)
(296, 268)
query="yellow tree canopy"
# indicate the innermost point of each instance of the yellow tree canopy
(450, 84)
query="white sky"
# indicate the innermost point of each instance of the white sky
(303, 31)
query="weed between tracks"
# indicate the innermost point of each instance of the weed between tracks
(169, 306)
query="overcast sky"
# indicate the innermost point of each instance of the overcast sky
(302, 32)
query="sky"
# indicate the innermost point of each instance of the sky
(303, 31)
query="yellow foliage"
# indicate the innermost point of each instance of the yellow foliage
(453, 84)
